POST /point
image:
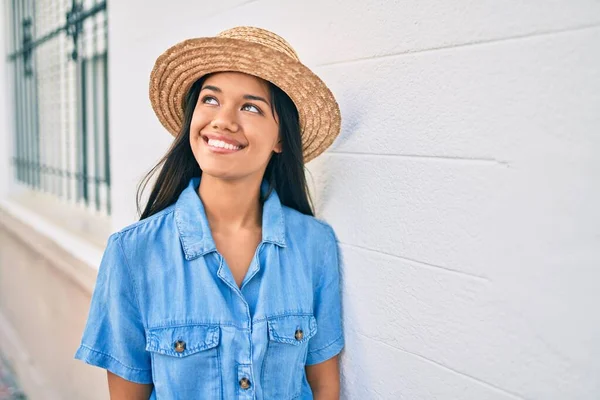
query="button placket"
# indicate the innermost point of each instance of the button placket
(245, 382)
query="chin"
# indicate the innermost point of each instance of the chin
(223, 169)
(221, 173)
(229, 174)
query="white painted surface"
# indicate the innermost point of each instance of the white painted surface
(5, 104)
(463, 189)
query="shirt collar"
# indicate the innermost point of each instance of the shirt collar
(194, 230)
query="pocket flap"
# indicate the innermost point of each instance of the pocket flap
(182, 341)
(292, 329)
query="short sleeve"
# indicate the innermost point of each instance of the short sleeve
(114, 336)
(329, 339)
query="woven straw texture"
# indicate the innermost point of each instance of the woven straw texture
(253, 51)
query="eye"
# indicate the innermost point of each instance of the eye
(209, 100)
(251, 108)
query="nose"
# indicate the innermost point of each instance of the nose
(224, 120)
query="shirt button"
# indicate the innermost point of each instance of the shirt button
(299, 334)
(179, 346)
(245, 383)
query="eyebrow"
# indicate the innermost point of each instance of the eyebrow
(246, 96)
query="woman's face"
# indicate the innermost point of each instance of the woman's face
(233, 132)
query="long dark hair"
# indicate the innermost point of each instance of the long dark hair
(284, 173)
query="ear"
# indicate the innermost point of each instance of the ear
(278, 147)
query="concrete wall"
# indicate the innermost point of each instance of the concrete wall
(462, 188)
(49, 254)
(5, 104)
(44, 301)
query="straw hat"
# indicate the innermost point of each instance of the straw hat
(252, 51)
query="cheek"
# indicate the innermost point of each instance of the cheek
(199, 120)
(267, 136)
(195, 125)
(194, 137)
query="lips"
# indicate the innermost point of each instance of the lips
(220, 140)
(222, 145)
(217, 144)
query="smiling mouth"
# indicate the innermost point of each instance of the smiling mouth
(221, 145)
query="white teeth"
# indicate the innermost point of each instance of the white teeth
(223, 145)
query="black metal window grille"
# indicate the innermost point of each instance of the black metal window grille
(59, 60)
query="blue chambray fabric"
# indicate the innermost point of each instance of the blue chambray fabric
(162, 281)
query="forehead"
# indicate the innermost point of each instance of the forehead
(237, 82)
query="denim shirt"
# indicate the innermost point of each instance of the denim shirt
(166, 309)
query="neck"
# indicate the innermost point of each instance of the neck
(231, 205)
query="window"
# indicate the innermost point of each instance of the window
(59, 64)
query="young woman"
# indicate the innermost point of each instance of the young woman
(227, 287)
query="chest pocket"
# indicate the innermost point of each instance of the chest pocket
(185, 360)
(283, 365)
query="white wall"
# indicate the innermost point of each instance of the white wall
(462, 188)
(6, 89)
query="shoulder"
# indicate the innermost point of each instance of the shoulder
(131, 247)
(308, 228)
(314, 242)
(147, 228)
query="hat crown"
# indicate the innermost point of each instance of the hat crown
(262, 37)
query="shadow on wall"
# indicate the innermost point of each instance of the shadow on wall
(319, 172)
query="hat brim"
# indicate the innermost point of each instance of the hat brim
(181, 65)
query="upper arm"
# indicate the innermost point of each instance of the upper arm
(121, 389)
(114, 337)
(327, 307)
(324, 378)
